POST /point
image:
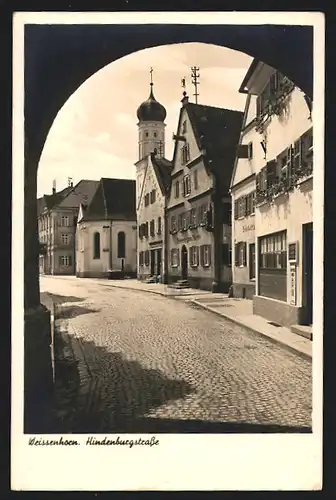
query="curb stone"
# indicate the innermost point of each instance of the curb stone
(254, 330)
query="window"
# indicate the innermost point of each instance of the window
(193, 256)
(121, 245)
(205, 254)
(141, 259)
(152, 196)
(65, 220)
(195, 179)
(152, 227)
(146, 229)
(180, 222)
(146, 133)
(173, 225)
(273, 251)
(177, 189)
(252, 261)
(146, 199)
(186, 185)
(155, 134)
(193, 217)
(202, 214)
(240, 254)
(96, 246)
(147, 258)
(159, 229)
(65, 238)
(174, 257)
(185, 154)
(184, 127)
(65, 260)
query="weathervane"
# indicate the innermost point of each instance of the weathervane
(194, 79)
(151, 76)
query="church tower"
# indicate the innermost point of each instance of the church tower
(151, 115)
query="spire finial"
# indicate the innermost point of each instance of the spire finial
(151, 77)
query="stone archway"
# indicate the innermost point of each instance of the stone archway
(59, 58)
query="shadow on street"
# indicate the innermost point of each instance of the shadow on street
(118, 395)
(67, 312)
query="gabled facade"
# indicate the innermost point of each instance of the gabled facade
(281, 162)
(198, 207)
(106, 231)
(57, 220)
(151, 219)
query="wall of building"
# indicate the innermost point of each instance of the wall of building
(287, 211)
(243, 230)
(147, 213)
(87, 265)
(150, 136)
(200, 194)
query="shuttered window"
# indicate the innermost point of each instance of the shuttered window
(240, 254)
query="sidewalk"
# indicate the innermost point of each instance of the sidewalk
(239, 311)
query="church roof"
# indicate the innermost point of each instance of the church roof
(113, 199)
(162, 168)
(151, 110)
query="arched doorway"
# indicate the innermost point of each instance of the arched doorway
(184, 263)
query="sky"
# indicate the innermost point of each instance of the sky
(95, 133)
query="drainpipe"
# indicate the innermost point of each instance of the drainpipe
(165, 245)
(110, 252)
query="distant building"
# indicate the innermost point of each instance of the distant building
(107, 232)
(199, 204)
(272, 191)
(57, 219)
(152, 186)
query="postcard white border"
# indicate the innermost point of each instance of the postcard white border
(180, 462)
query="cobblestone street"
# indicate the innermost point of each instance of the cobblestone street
(154, 364)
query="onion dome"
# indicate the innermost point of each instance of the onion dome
(151, 110)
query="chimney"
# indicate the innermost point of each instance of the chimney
(185, 99)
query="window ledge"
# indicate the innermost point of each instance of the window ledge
(304, 179)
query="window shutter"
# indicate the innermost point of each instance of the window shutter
(271, 172)
(244, 253)
(242, 151)
(183, 187)
(197, 256)
(178, 256)
(290, 160)
(209, 255)
(191, 255)
(258, 182)
(236, 209)
(60, 260)
(236, 247)
(201, 249)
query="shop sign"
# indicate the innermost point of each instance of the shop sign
(185, 238)
(293, 285)
(250, 227)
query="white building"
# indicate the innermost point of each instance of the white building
(199, 205)
(152, 186)
(107, 232)
(272, 189)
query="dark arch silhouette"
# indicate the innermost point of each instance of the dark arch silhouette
(59, 58)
